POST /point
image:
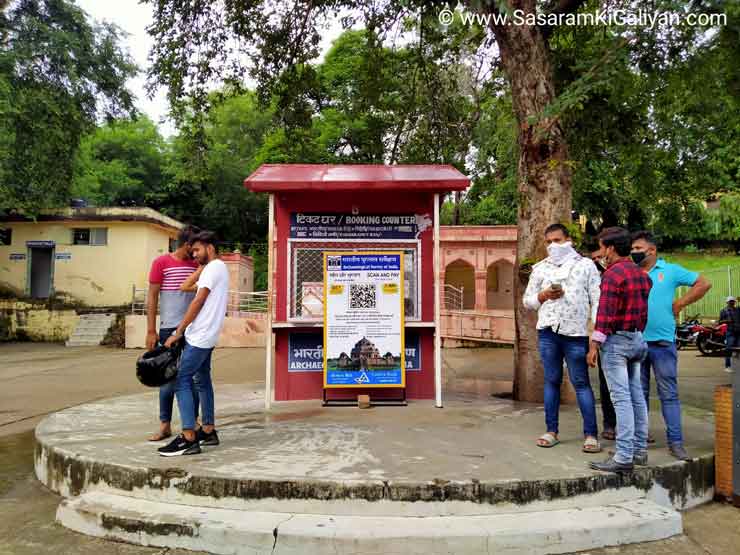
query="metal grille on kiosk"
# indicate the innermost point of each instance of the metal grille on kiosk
(306, 283)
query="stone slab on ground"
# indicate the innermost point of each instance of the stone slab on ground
(231, 532)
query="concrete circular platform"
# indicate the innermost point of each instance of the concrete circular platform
(471, 457)
(306, 480)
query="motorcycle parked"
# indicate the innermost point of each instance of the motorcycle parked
(711, 339)
(685, 335)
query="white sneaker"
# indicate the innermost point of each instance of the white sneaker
(728, 369)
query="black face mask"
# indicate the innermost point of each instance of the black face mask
(638, 257)
(600, 266)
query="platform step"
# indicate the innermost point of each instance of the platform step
(236, 532)
(90, 330)
(76, 341)
(94, 325)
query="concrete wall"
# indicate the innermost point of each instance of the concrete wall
(33, 321)
(237, 332)
(94, 275)
(241, 271)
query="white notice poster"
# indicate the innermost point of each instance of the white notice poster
(363, 320)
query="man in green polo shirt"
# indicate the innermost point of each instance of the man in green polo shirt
(660, 332)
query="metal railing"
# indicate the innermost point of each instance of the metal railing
(452, 297)
(240, 303)
(725, 282)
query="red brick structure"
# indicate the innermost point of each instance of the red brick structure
(477, 280)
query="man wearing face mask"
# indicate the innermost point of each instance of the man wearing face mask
(660, 333)
(617, 337)
(564, 289)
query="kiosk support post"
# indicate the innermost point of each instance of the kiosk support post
(437, 323)
(270, 296)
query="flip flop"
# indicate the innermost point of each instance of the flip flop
(591, 445)
(609, 435)
(548, 439)
(160, 437)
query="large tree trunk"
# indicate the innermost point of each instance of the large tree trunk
(545, 193)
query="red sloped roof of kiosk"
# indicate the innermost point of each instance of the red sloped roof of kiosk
(354, 177)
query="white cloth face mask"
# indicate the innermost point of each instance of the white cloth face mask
(560, 252)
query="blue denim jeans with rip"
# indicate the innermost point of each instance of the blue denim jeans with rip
(167, 391)
(621, 355)
(662, 359)
(554, 348)
(195, 370)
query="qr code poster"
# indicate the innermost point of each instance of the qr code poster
(363, 319)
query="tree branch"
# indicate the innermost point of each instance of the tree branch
(567, 6)
(562, 7)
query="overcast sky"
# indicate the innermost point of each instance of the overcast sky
(133, 18)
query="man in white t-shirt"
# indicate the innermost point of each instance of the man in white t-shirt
(201, 327)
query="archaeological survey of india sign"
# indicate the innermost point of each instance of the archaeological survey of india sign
(363, 320)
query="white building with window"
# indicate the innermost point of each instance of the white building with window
(90, 255)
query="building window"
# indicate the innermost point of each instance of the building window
(6, 236)
(173, 245)
(95, 236)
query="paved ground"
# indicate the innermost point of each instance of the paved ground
(39, 379)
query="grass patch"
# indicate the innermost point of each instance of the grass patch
(703, 262)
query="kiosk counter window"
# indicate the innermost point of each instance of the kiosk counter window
(306, 267)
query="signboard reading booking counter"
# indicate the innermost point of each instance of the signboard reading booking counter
(363, 320)
(356, 226)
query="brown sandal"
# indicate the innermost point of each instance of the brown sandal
(609, 435)
(159, 436)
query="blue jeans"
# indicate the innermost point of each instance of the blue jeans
(195, 365)
(731, 340)
(553, 349)
(167, 391)
(663, 360)
(621, 356)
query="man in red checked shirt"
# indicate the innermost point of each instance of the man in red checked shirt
(620, 321)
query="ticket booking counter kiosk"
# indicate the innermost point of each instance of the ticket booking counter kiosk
(345, 209)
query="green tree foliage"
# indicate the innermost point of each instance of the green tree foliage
(121, 163)
(204, 181)
(658, 135)
(59, 73)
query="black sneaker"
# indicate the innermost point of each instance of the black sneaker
(638, 459)
(206, 439)
(180, 446)
(610, 465)
(678, 451)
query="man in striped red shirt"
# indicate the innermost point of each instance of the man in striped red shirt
(167, 273)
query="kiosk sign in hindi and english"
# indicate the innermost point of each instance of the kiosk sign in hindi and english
(363, 320)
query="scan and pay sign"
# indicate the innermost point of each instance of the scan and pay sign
(363, 320)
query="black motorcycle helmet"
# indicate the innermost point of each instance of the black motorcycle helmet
(158, 366)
